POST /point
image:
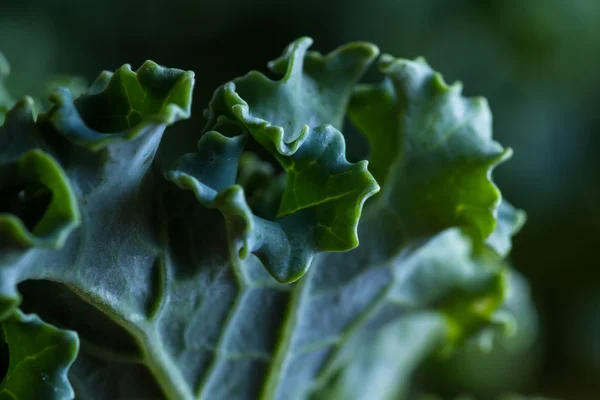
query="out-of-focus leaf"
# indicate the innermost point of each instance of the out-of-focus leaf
(509, 223)
(493, 362)
(439, 295)
(40, 358)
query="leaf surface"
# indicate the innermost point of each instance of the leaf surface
(163, 278)
(40, 357)
(297, 119)
(431, 149)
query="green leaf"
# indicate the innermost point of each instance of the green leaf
(40, 357)
(87, 182)
(439, 294)
(166, 287)
(34, 175)
(295, 119)
(122, 106)
(382, 369)
(107, 159)
(509, 223)
(263, 186)
(431, 149)
(38, 208)
(287, 245)
(34, 180)
(314, 91)
(505, 363)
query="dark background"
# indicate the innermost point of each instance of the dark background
(535, 60)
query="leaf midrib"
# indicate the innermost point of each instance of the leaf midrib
(155, 358)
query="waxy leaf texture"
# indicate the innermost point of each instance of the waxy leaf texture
(286, 272)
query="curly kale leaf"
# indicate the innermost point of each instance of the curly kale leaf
(88, 175)
(297, 119)
(40, 357)
(432, 149)
(167, 288)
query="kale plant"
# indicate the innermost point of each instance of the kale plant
(263, 264)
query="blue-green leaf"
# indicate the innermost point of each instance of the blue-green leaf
(40, 358)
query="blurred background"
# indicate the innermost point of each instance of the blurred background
(535, 60)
